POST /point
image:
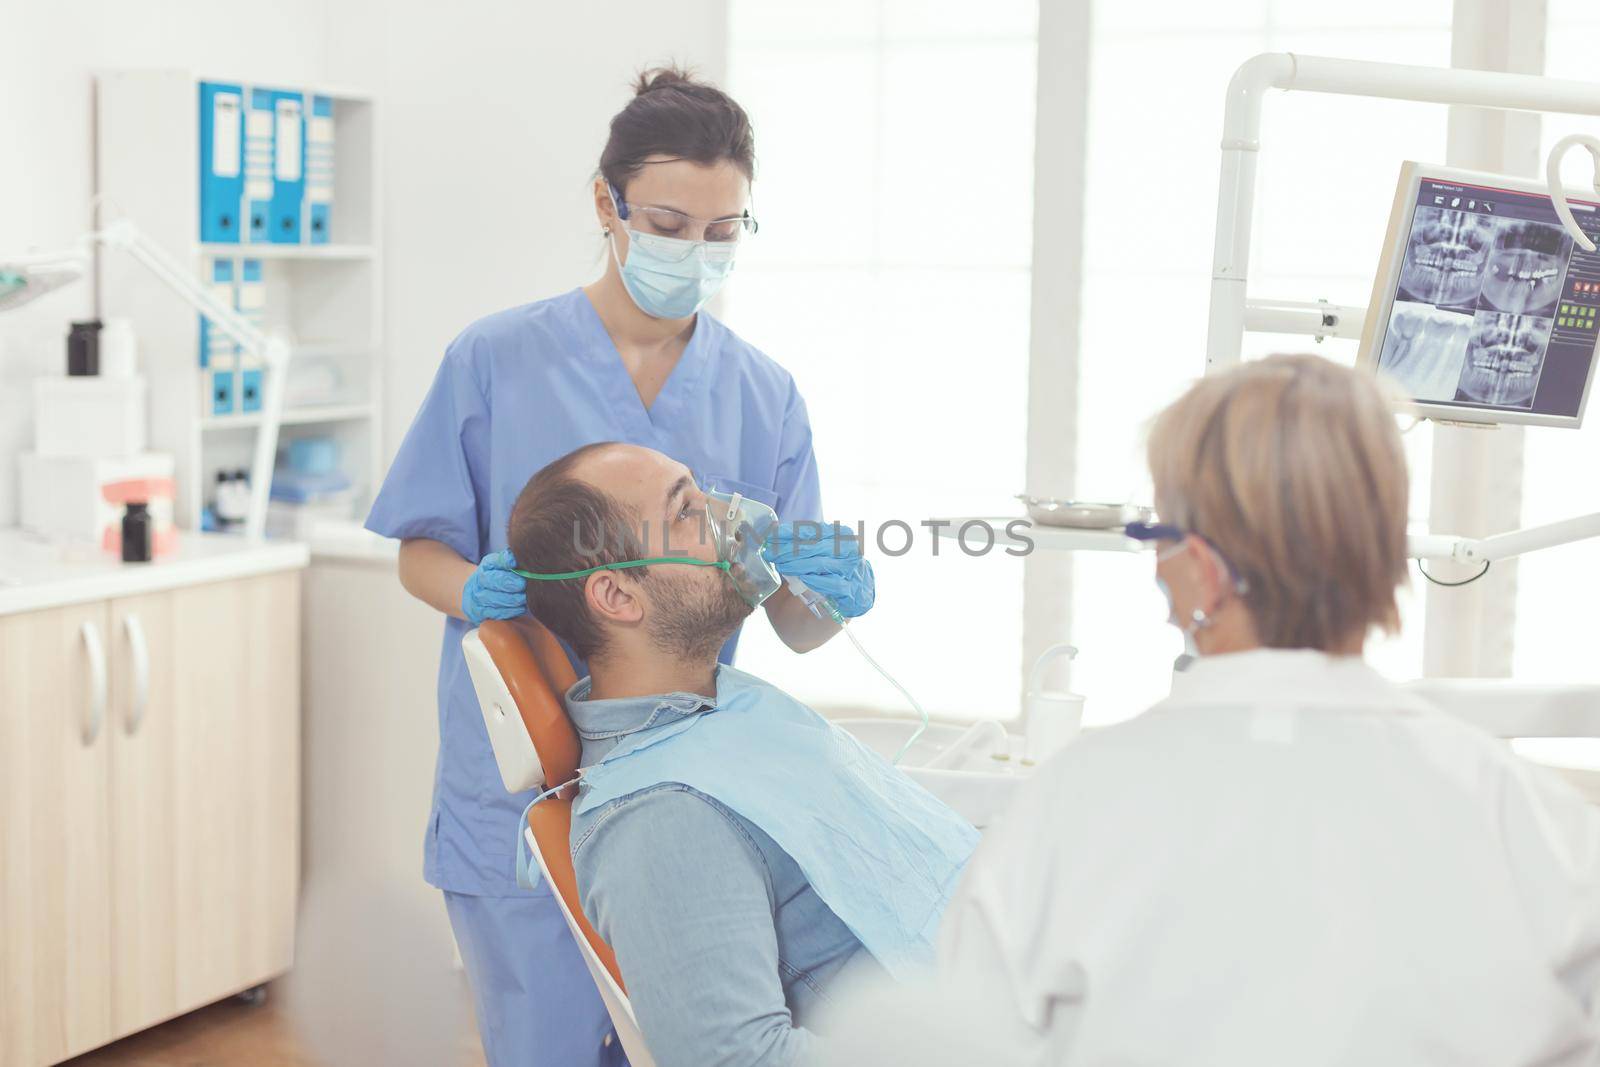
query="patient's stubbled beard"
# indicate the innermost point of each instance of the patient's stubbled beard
(1504, 359)
(1524, 272)
(693, 617)
(1445, 256)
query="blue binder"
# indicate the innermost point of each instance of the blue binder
(222, 392)
(252, 303)
(218, 352)
(221, 161)
(319, 169)
(258, 138)
(288, 165)
(216, 348)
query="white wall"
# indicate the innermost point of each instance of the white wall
(494, 114)
(48, 52)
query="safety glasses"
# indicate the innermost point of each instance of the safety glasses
(667, 222)
(1156, 532)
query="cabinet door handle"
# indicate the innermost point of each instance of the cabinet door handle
(140, 656)
(95, 712)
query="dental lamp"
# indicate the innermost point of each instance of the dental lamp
(27, 277)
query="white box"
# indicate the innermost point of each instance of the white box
(82, 499)
(89, 417)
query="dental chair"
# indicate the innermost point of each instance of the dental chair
(520, 683)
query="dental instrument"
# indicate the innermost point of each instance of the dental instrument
(981, 742)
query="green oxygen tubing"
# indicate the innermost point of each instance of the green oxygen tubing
(717, 563)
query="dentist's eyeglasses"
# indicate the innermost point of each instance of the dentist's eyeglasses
(1174, 537)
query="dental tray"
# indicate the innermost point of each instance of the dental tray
(1081, 514)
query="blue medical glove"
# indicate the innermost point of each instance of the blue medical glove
(828, 559)
(493, 591)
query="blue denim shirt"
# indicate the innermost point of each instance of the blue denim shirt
(725, 948)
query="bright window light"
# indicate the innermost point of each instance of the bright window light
(891, 277)
(1321, 213)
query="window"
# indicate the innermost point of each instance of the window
(1325, 182)
(891, 276)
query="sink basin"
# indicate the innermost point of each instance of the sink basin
(979, 787)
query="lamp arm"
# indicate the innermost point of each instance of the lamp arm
(274, 353)
(124, 235)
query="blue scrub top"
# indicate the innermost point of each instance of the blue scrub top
(727, 412)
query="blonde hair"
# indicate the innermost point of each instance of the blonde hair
(1291, 467)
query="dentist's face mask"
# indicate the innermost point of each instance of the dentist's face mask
(1199, 620)
(739, 528)
(669, 277)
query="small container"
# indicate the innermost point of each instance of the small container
(83, 349)
(1054, 716)
(137, 533)
(89, 417)
(119, 349)
(313, 455)
(74, 499)
(232, 503)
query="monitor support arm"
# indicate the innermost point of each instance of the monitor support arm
(1232, 314)
(1478, 550)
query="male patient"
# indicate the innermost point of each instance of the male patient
(737, 852)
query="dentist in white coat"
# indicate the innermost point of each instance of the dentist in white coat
(1290, 861)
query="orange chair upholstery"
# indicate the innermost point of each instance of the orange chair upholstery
(537, 673)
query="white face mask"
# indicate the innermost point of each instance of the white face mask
(1190, 648)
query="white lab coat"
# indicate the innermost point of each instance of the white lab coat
(1290, 861)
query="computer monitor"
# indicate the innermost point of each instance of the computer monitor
(1484, 308)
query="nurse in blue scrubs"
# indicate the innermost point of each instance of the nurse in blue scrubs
(631, 357)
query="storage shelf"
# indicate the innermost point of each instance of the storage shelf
(288, 251)
(1044, 538)
(291, 416)
(327, 297)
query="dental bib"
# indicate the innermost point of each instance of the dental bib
(879, 850)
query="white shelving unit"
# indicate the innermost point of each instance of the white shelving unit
(326, 299)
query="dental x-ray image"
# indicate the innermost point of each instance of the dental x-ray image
(1525, 267)
(1424, 348)
(1505, 356)
(1445, 257)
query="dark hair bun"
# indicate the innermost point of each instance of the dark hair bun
(661, 78)
(674, 114)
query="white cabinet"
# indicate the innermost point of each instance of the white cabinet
(149, 808)
(55, 839)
